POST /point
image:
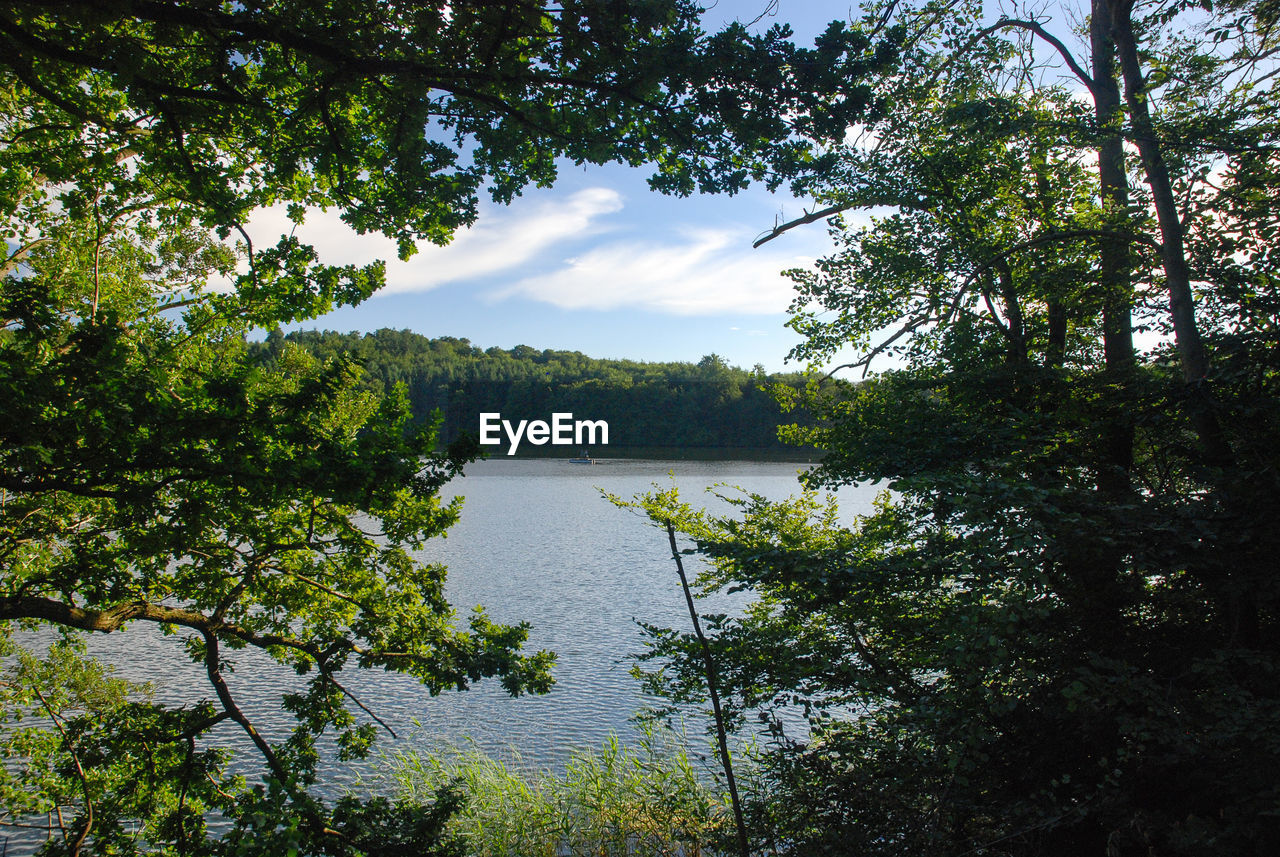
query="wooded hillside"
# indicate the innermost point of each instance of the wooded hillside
(703, 405)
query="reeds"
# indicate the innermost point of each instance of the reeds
(637, 800)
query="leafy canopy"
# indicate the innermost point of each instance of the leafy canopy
(154, 472)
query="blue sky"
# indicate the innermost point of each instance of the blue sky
(599, 263)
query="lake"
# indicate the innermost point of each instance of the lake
(536, 542)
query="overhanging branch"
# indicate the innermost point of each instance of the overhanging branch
(810, 217)
(1036, 28)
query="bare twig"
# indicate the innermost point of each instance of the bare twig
(770, 10)
(351, 696)
(1036, 28)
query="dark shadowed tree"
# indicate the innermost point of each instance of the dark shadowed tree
(1057, 633)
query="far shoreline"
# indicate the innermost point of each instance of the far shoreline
(660, 453)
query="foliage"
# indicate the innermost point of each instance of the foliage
(1056, 634)
(650, 799)
(707, 404)
(110, 751)
(400, 114)
(154, 472)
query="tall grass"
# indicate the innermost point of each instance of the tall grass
(616, 801)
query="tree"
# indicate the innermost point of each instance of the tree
(153, 471)
(1057, 635)
(400, 115)
(154, 474)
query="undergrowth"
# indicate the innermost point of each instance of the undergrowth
(650, 798)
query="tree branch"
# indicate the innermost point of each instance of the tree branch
(916, 323)
(115, 618)
(351, 696)
(75, 758)
(213, 667)
(15, 258)
(1050, 237)
(1037, 29)
(810, 217)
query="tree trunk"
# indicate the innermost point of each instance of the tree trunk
(1195, 362)
(1192, 354)
(1115, 276)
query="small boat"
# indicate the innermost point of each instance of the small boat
(584, 458)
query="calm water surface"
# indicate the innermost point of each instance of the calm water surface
(536, 543)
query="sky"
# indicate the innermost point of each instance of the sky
(599, 263)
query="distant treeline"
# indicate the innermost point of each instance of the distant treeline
(695, 406)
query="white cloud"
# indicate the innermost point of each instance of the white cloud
(707, 272)
(500, 240)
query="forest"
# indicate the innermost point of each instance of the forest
(672, 407)
(1055, 263)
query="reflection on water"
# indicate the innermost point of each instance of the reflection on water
(537, 543)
